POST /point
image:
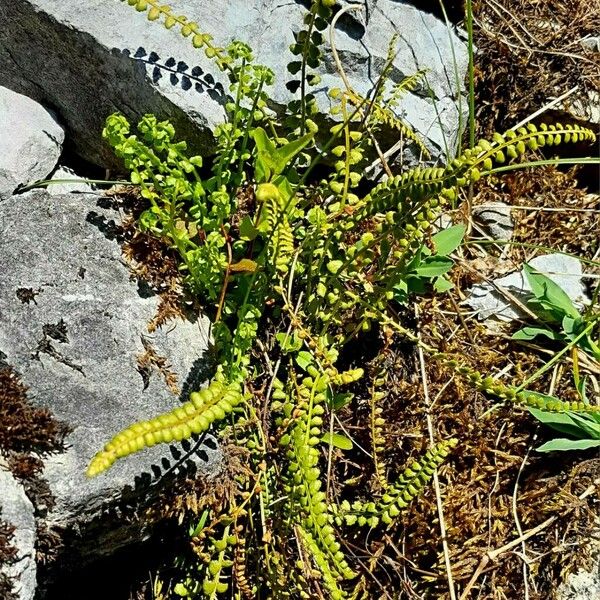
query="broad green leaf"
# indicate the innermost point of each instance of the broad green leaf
(441, 284)
(589, 428)
(448, 240)
(562, 444)
(529, 333)
(247, 230)
(285, 191)
(549, 293)
(558, 421)
(337, 401)
(432, 266)
(401, 292)
(304, 359)
(572, 326)
(415, 285)
(337, 440)
(289, 343)
(284, 155)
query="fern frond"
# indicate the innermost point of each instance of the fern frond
(408, 84)
(502, 391)
(322, 563)
(399, 494)
(396, 193)
(307, 501)
(188, 29)
(281, 240)
(193, 417)
(377, 422)
(383, 115)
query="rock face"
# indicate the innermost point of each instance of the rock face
(17, 510)
(95, 57)
(30, 142)
(496, 219)
(565, 271)
(72, 323)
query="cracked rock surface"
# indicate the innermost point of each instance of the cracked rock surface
(17, 510)
(95, 57)
(30, 140)
(72, 323)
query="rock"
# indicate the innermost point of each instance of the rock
(564, 270)
(92, 58)
(496, 219)
(71, 324)
(17, 510)
(30, 140)
(584, 109)
(583, 585)
(64, 173)
(591, 42)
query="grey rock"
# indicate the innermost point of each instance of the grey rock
(565, 271)
(75, 347)
(585, 109)
(583, 585)
(92, 58)
(62, 174)
(17, 510)
(30, 140)
(496, 219)
(591, 42)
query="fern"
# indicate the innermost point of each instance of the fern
(194, 417)
(291, 266)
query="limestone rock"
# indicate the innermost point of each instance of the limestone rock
(74, 338)
(92, 58)
(65, 187)
(565, 271)
(17, 510)
(496, 219)
(30, 140)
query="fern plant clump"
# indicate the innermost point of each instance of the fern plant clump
(292, 266)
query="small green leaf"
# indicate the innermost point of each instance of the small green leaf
(289, 343)
(448, 240)
(337, 401)
(529, 333)
(441, 284)
(304, 359)
(562, 444)
(247, 230)
(433, 266)
(337, 440)
(589, 427)
(558, 421)
(551, 295)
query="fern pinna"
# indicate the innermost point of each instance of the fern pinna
(314, 261)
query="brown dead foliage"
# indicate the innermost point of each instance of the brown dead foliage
(24, 427)
(530, 52)
(150, 259)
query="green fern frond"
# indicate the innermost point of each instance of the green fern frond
(322, 563)
(188, 29)
(399, 494)
(377, 422)
(418, 184)
(193, 417)
(281, 239)
(408, 84)
(502, 391)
